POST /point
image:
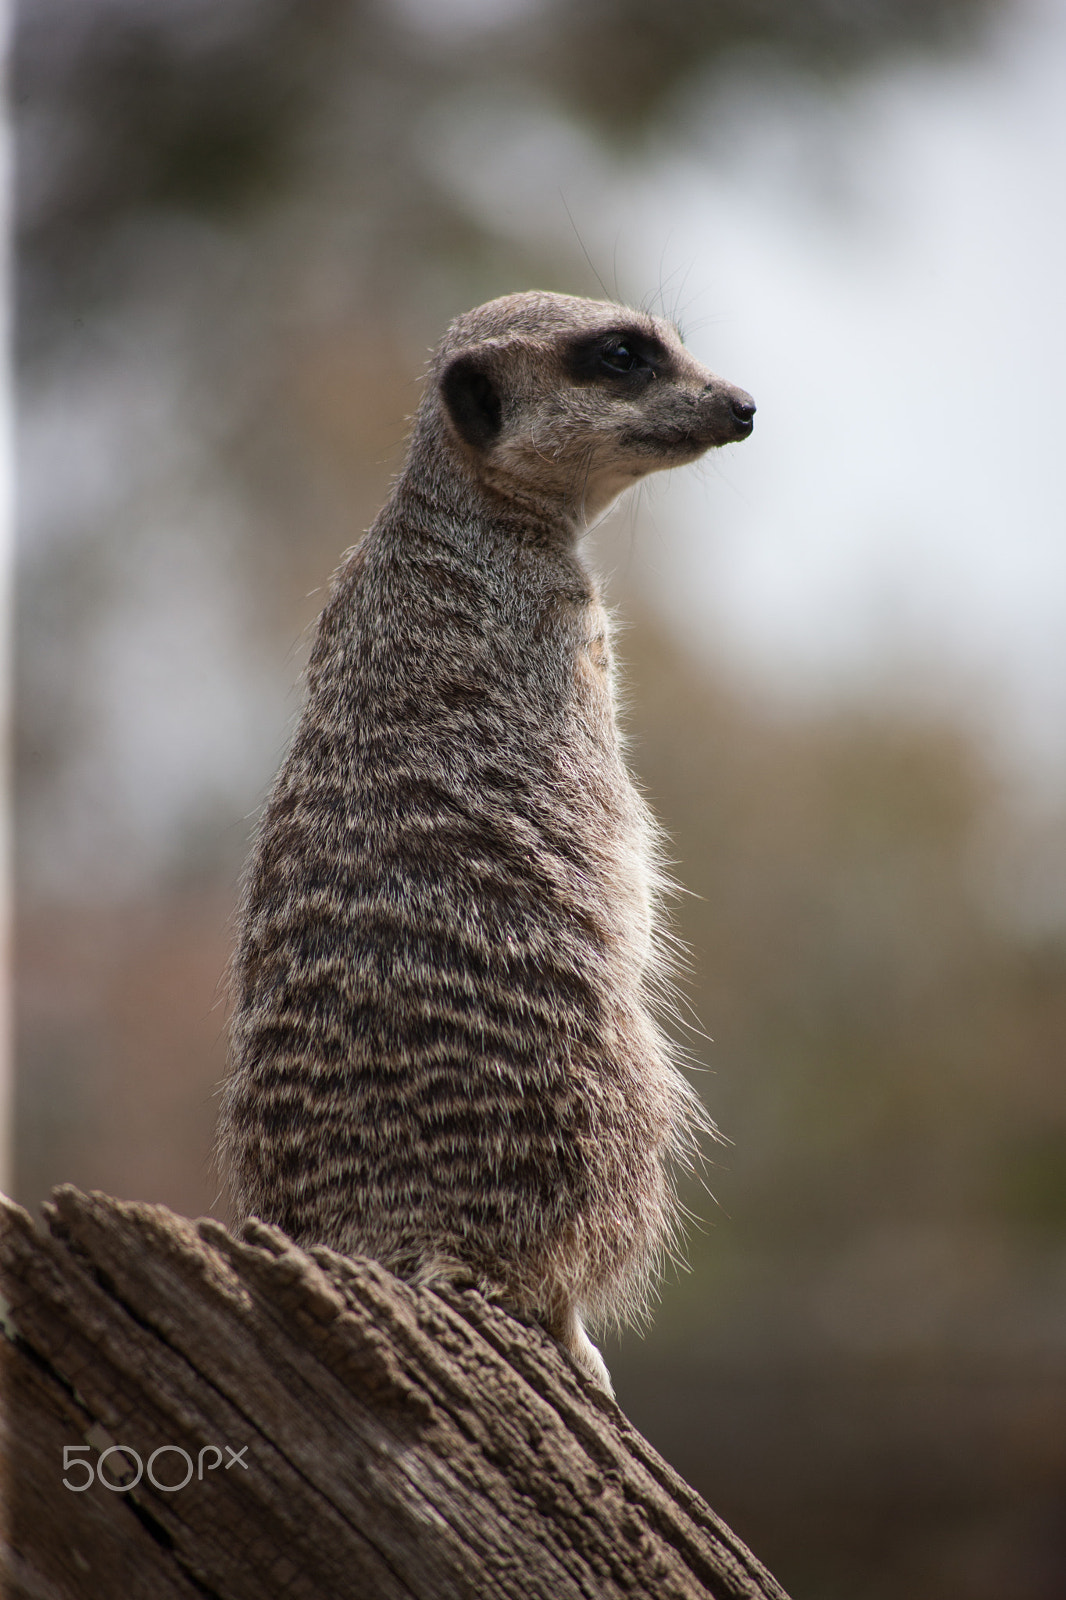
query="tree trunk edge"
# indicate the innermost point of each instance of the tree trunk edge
(384, 1440)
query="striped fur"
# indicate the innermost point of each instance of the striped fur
(444, 1052)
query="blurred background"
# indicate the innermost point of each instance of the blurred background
(240, 229)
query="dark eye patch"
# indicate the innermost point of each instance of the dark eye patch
(618, 355)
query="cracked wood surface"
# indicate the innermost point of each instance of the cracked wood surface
(373, 1439)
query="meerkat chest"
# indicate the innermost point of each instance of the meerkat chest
(593, 669)
(624, 828)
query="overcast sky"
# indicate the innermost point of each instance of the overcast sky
(887, 275)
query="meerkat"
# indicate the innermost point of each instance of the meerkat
(446, 1051)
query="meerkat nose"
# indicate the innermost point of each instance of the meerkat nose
(741, 412)
(732, 407)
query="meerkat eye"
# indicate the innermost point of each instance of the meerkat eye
(611, 355)
(621, 357)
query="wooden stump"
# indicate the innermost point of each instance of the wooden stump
(192, 1414)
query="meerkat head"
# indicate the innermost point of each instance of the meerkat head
(570, 401)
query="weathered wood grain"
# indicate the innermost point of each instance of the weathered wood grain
(372, 1439)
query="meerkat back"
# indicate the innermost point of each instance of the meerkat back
(444, 1049)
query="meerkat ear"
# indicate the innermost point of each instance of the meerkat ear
(472, 399)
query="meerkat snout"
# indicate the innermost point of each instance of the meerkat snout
(445, 1051)
(743, 408)
(727, 414)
